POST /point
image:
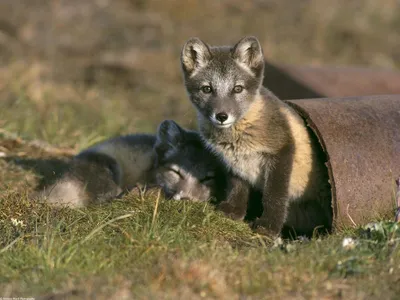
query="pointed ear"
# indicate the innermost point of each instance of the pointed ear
(169, 136)
(248, 52)
(194, 56)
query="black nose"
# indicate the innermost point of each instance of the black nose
(222, 117)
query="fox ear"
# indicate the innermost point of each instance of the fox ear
(248, 52)
(169, 136)
(194, 56)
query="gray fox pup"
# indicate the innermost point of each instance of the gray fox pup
(259, 137)
(174, 159)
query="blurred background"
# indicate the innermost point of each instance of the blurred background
(75, 71)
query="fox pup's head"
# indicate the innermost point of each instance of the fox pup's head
(185, 169)
(222, 82)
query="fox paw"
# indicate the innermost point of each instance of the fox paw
(231, 211)
(260, 227)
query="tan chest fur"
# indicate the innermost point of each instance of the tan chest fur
(303, 155)
(246, 164)
(242, 148)
(250, 148)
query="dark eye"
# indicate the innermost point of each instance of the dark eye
(206, 89)
(176, 172)
(207, 178)
(238, 89)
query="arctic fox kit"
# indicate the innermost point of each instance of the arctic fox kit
(259, 137)
(175, 160)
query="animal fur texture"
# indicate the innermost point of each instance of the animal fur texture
(259, 137)
(175, 159)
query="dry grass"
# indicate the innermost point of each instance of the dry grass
(113, 66)
(73, 72)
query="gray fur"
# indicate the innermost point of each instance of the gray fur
(185, 169)
(175, 159)
(232, 72)
(263, 141)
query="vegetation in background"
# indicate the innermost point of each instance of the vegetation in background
(74, 72)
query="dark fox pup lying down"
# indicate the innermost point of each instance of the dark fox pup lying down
(174, 159)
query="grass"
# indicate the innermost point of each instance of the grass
(107, 64)
(142, 246)
(185, 250)
(72, 84)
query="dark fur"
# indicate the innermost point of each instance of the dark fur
(256, 141)
(105, 170)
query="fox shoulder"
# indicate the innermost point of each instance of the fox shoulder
(133, 155)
